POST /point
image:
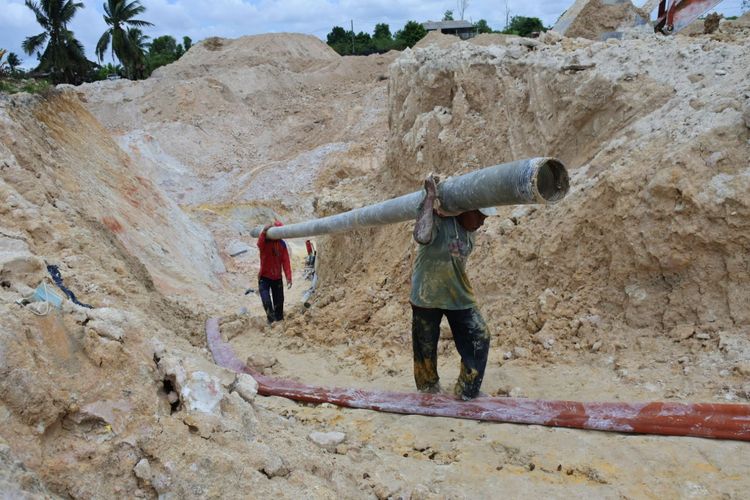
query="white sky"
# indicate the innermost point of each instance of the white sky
(200, 19)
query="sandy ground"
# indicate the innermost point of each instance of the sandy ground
(631, 289)
(443, 454)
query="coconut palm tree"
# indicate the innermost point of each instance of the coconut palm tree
(138, 46)
(119, 15)
(63, 57)
(13, 61)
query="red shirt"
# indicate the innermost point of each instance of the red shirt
(273, 257)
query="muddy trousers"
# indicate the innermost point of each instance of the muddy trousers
(472, 340)
(272, 296)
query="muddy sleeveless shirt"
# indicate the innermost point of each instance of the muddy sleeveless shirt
(439, 277)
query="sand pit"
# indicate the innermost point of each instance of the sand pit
(632, 289)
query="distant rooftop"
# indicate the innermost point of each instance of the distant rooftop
(446, 25)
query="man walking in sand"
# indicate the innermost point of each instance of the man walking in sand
(440, 287)
(274, 257)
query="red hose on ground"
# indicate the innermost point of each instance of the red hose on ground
(721, 421)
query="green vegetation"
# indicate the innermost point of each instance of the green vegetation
(483, 27)
(164, 50)
(13, 80)
(30, 85)
(382, 39)
(524, 26)
(63, 56)
(138, 46)
(347, 43)
(127, 41)
(130, 46)
(340, 40)
(9, 65)
(109, 70)
(410, 35)
(13, 61)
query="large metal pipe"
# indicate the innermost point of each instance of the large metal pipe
(535, 180)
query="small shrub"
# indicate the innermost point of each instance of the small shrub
(213, 43)
(36, 86)
(30, 85)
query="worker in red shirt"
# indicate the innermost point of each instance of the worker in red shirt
(273, 257)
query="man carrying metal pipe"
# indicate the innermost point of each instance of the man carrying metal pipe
(534, 180)
(440, 287)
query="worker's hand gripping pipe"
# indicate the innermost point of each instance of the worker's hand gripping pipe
(536, 180)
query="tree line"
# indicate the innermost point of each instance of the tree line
(62, 58)
(348, 43)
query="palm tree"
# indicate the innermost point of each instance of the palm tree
(13, 61)
(63, 56)
(109, 70)
(119, 14)
(138, 46)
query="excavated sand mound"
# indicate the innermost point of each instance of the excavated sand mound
(729, 29)
(229, 104)
(486, 39)
(437, 38)
(291, 51)
(592, 18)
(444, 41)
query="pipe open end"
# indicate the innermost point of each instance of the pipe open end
(552, 181)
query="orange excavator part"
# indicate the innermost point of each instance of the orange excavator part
(709, 420)
(674, 15)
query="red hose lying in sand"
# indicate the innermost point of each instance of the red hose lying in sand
(721, 421)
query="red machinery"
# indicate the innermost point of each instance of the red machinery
(674, 15)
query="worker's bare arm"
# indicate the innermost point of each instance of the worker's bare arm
(425, 222)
